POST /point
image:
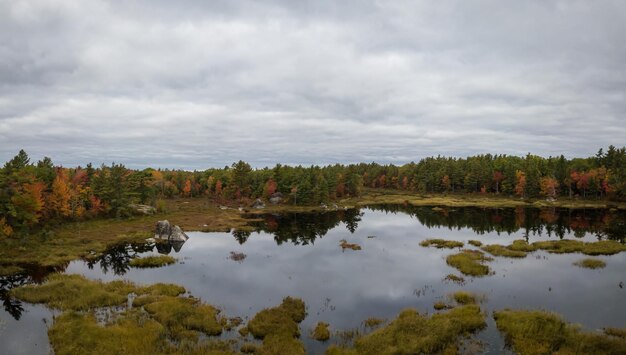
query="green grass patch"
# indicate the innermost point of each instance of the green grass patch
(439, 305)
(283, 319)
(182, 315)
(464, 297)
(522, 245)
(413, 333)
(8, 270)
(500, 250)
(604, 247)
(75, 292)
(591, 263)
(475, 243)
(152, 261)
(539, 332)
(321, 332)
(373, 322)
(469, 262)
(278, 327)
(616, 332)
(442, 243)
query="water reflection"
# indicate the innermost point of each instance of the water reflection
(31, 274)
(303, 228)
(117, 258)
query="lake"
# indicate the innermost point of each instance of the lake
(300, 255)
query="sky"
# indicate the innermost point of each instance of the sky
(198, 84)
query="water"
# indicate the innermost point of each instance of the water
(299, 255)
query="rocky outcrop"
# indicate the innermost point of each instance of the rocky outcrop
(276, 198)
(165, 231)
(142, 209)
(258, 204)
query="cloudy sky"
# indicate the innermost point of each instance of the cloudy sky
(194, 84)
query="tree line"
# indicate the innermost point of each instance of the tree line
(35, 193)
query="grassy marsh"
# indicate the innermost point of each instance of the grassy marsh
(500, 250)
(278, 327)
(539, 332)
(414, 333)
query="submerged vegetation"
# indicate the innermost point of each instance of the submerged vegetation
(591, 263)
(152, 261)
(442, 243)
(538, 332)
(469, 262)
(454, 278)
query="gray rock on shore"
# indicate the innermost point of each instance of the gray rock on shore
(165, 231)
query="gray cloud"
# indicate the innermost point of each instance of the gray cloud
(197, 84)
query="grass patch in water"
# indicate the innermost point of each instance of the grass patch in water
(132, 333)
(604, 247)
(469, 262)
(75, 292)
(413, 333)
(180, 315)
(454, 278)
(616, 332)
(277, 320)
(441, 305)
(345, 245)
(442, 243)
(522, 245)
(321, 332)
(500, 250)
(475, 243)
(464, 297)
(152, 261)
(373, 322)
(591, 263)
(278, 327)
(539, 332)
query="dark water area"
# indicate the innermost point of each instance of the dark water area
(299, 255)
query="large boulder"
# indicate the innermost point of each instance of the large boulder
(258, 204)
(142, 209)
(165, 231)
(276, 198)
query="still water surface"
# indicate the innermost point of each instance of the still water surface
(299, 255)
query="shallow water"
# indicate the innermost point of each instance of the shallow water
(299, 255)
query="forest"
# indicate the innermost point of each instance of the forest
(41, 193)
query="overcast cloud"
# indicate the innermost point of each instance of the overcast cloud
(197, 84)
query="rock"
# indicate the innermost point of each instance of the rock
(142, 209)
(323, 206)
(258, 204)
(276, 198)
(165, 231)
